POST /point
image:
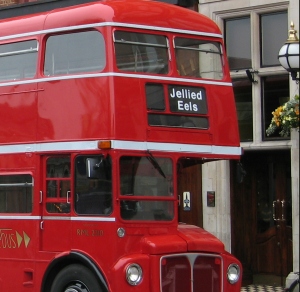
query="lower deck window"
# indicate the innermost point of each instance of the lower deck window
(146, 190)
(16, 193)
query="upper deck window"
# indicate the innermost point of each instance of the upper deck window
(199, 58)
(74, 53)
(140, 52)
(18, 60)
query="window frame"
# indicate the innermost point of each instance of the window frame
(258, 72)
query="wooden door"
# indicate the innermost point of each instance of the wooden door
(190, 192)
(261, 214)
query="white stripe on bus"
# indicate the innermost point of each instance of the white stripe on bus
(18, 217)
(58, 218)
(83, 218)
(121, 145)
(113, 74)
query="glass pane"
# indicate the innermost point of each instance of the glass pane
(273, 39)
(18, 60)
(199, 58)
(93, 193)
(58, 184)
(275, 94)
(155, 97)
(75, 53)
(140, 52)
(178, 121)
(16, 193)
(143, 180)
(58, 167)
(243, 99)
(238, 43)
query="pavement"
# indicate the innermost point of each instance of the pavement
(262, 288)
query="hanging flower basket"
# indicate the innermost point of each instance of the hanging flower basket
(285, 118)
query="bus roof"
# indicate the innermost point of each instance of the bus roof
(143, 13)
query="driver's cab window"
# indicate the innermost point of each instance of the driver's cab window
(58, 184)
(93, 185)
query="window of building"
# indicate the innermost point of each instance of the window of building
(275, 92)
(72, 53)
(244, 108)
(16, 193)
(18, 60)
(252, 43)
(238, 52)
(272, 39)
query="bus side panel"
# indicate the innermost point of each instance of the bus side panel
(223, 118)
(74, 109)
(130, 109)
(18, 113)
(19, 232)
(18, 241)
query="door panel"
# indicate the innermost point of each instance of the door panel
(190, 192)
(56, 201)
(261, 214)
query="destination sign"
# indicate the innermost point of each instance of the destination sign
(187, 99)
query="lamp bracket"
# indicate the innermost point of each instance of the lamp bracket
(250, 75)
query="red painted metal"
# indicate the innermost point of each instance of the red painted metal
(46, 112)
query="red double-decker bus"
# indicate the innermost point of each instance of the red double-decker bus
(101, 105)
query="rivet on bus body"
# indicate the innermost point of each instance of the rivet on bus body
(121, 232)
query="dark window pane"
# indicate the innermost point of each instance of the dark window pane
(272, 39)
(155, 97)
(243, 98)
(238, 42)
(275, 93)
(58, 182)
(16, 193)
(178, 121)
(147, 183)
(93, 185)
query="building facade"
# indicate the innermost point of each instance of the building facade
(257, 199)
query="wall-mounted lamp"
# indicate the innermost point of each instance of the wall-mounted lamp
(289, 54)
(250, 75)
